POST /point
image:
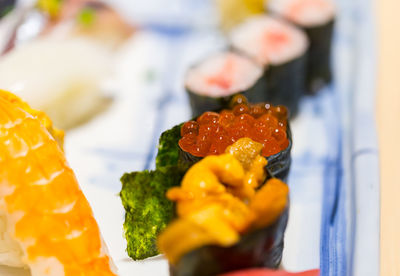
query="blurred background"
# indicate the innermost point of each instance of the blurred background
(111, 73)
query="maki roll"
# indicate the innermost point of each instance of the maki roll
(228, 217)
(316, 18)
(212, 83)
(281, 46)
(211, 133)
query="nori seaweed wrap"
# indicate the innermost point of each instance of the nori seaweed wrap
(261, 248)
(319, 72)
(228, 217)
(316, 18)
(287, 83)
(143, 192)
(213, 83)
(281, 49)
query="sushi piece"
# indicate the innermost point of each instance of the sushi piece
(228, 218)
(281, 46)
(46, 223)
(62, 66)
(65, 19)
(316, 18)
(62, 78)
(143, 192)
(212, 83)
(211, 133)
(85, 18)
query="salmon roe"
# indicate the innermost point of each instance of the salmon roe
(212, 133)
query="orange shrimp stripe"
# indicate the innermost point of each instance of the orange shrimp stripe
(36, 181)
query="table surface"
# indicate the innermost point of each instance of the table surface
(388, 111)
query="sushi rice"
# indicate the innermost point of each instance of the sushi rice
(222, 75)
(269, 40)
(212, 83)
(10, 252)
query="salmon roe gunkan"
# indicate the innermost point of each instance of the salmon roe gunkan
(211, 133)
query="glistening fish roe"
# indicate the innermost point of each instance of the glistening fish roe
(212, 132)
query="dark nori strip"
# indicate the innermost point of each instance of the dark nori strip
(188, 158)
(319, 72)
(286, 83)
(168, 148)
(260, 248)
(202, 103)
(278, 164)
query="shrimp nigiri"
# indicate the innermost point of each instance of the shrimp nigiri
(46, 223)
